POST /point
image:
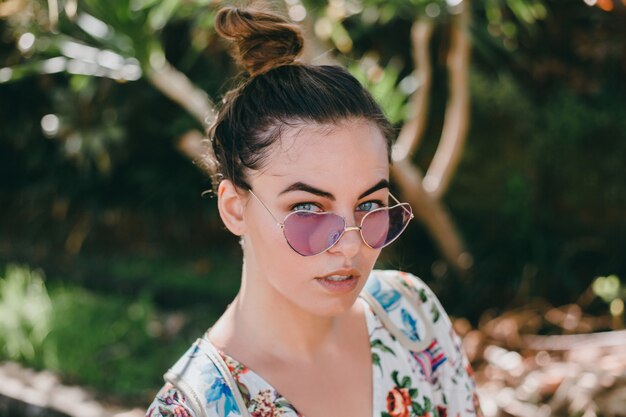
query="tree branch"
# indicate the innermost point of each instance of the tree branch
(196, 147)
(315, 51)
(432, 214)
(11, 7)
(426, 204)
(453, 135)
(175, 85)
(413, 128)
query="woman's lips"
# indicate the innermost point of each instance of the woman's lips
(339, 281)
(343, 272)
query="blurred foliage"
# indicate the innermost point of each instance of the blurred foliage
(97, 47)
(385, 86)
(547, 190)
(24, 313)
(612, 292)
(115, 344)
(608, 288)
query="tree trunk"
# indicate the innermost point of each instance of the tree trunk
(425, 194)
(448, 154)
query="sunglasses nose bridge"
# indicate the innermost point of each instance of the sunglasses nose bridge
(349, 245)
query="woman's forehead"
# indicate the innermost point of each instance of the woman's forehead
(328, 156)
(349, 139)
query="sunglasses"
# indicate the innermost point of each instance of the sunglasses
(310, 232)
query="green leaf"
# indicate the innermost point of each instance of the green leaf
(376, 360)
(244, 391)
(417, 409)
(427, 404)
(283, 403)
(435, 313)
(394, 377)
(161, 14)
(144, 4)
(378, 344)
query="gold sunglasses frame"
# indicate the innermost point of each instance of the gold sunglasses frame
(406, 206)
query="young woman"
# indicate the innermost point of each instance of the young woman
(303, 154)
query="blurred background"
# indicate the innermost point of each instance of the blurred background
(511, 118)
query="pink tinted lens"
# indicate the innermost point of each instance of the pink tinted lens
(311, 233)
(381, 227)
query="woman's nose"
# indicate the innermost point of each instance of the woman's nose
(350, 242)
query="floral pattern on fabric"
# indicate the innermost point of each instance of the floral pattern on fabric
(402, 400)
(220, 395)
(430, 359)
(237, 370)
(436, 381)
(269, 403)
(265, 402)
(169, 403)
(388, 298)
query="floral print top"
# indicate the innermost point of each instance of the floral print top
(435, 381)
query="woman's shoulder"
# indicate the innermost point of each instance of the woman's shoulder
(415, 313)
(407, 307)
(195, 387)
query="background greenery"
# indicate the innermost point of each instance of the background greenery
(137, 263)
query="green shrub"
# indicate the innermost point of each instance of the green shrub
(25, 309)
(107, 342)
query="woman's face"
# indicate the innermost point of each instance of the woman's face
(342, 169)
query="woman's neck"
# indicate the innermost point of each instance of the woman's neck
(277, 328)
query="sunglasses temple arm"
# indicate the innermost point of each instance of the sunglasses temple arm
(398, 202)
(266, 208)
(394, 198)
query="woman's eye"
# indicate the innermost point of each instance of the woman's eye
(305, 206)
(369, 206)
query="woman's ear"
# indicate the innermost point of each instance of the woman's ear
(231, 203)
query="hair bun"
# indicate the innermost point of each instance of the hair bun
(262, 40)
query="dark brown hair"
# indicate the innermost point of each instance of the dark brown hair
(278, 93)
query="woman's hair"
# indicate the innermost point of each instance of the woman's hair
(278, 93)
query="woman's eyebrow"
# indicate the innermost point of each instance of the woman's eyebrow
(379, 185)
(300, 186)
